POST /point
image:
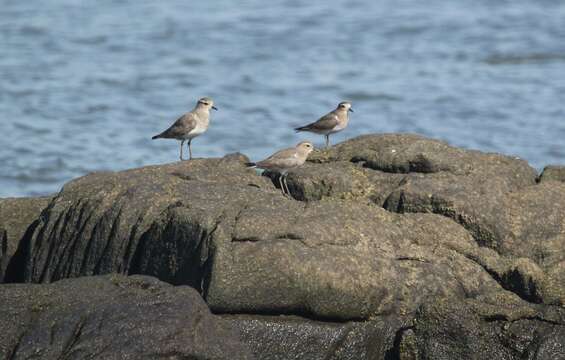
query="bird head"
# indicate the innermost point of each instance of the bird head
(305, 148)
(206, 103)
(344, 106)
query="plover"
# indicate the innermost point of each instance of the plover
(190, 125)
(331, 122)
(284, 160)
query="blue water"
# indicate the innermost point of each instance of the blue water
(85, 84)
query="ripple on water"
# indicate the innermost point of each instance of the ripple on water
(519, 59)
(365, 96)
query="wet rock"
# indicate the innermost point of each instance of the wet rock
(111, 317)
(457, 330)
(16, 215)
(291, 337)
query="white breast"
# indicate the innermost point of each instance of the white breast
(199, 129)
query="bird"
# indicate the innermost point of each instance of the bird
(190, 125)
(284, 160)
(330, 123)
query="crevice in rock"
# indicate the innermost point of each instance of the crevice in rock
(67, 259)
(501, 317)
(412, 258)
(245, 239)
(3, 253)
(17, 265)
(106, 252)
(12, 353)
(66, 352)
(54, 235)
(504, 282)
(335, 346)
(290, 236)
(176, 250)
(295, 312)
(394, 352)
(483, 236)
(421, 165)
(133, 241)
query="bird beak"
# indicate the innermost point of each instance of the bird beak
(215, 108)
(350, 109)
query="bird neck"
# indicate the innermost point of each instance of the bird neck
(342, 113)
(201, 111)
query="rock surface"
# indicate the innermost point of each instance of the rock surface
(111, 317)
(16, 215)
(385, 238)
(552, 173)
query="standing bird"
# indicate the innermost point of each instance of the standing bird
(190, 125)
(331, 122)
(284, 160)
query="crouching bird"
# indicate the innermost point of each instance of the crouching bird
(284, 160)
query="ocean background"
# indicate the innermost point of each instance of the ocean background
(85, 84)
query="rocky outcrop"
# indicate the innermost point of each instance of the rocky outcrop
(519, 226)
(379, 231)
(111, 317)
(16, 215)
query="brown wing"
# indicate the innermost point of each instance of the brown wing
(281, 159)
(181, 127)
(325, 123)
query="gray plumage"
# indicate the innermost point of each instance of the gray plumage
(190, 125)
(330, 123)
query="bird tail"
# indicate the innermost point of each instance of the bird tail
(250, 164)
(157, 136)
(301, 128)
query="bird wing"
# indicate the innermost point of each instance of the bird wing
(284, 159)
(184, 124)
(326, 122)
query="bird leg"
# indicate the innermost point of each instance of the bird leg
(286, 185)
(189, 149)
(281, 184)
(327, 141)
(181, 145)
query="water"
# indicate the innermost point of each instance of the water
(85, 84)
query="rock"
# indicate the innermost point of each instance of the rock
(95, 224)
(380, 229)
(423, 175)
(494, 197)
(552, 173)
(456, 330)
(532, 225)
(111, 317)
(291, 337)
(16, 215)
(338, 261)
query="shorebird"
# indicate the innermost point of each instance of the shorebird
(284, 160)
(330, 123)
(190, 125)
